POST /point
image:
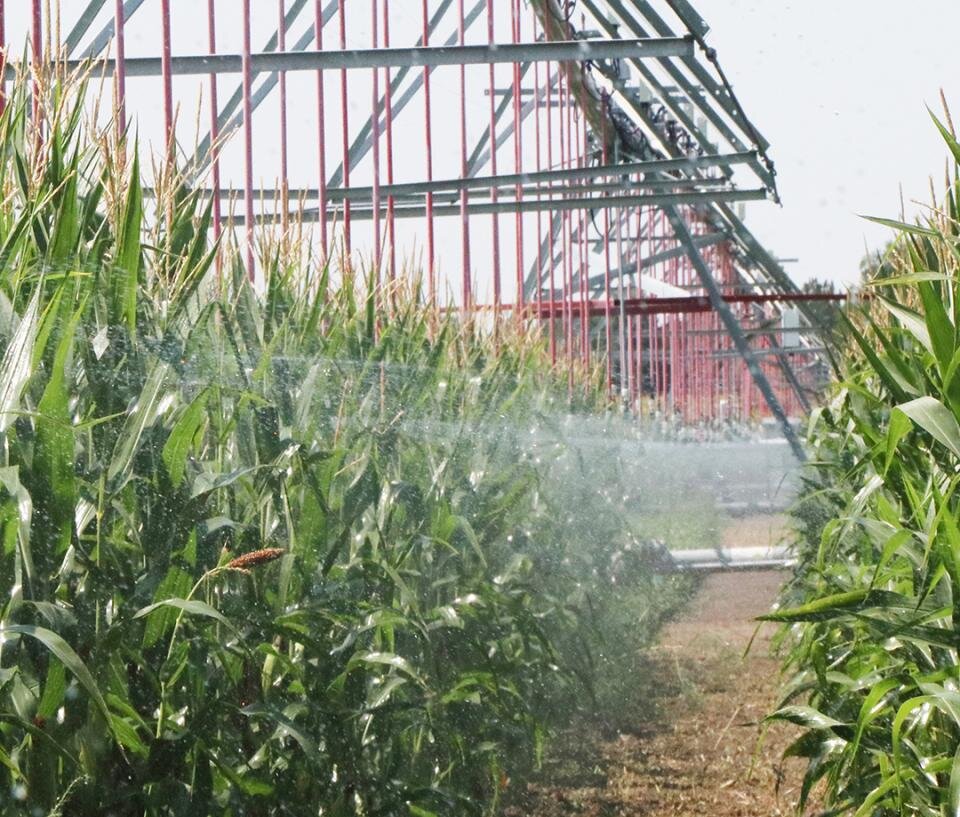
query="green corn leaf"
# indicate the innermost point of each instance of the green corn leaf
(66, 231)
(822, 608)
(178, 444)
(10, 481)
(805, 716)
(903, 227)
(191, 606)
(131, 435)
(127, 266)
(948, 137)
(940, 328)
(953, 804)
(55, 436)
(912, 278)
(912, 321)
(936, 419)
(15, 366)
(65, 653)
(900, 426)
(160, 618)
(54, 689)
(386, 659)
(890, 381)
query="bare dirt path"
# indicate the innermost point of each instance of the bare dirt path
(697, 752)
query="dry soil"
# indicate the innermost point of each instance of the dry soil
(698, 750)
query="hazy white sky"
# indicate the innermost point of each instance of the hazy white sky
(839, 87)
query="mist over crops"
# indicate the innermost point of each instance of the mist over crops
(314, 548)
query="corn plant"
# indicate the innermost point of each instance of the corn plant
(873, 609)
(291, 551)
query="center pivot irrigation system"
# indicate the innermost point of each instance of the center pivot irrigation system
(578, 163)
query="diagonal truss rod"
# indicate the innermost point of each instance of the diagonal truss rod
(732, 325)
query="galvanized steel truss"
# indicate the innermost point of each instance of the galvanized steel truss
(599, 138)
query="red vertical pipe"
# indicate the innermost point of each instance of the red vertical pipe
(582, 245)
(248, 139)
(345, 129)
(214, 127)
(563, 93)
(654, 368)
(119, 20)
(464, 217)
(167, 78)
(553, 279)
(375, 121)
(321, 133)
(607, 317)
(428, 136)
(388, 98)
(36, 31)
(284, 175)
(566, 139)
(624, 226)
(538, 293)
(624, 359)
(518, 156)
(494, 194)
(3, 56)
(639, 327)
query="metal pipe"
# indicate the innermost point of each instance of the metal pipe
(248, 141)
(3, 55)
(428, 136)
(542, 177)
(364, 58)
(466, 284)
(167, 78)
(121, 85)
(214, 131)
(388, 114)
(284, 175)
(494, 192)
(375, 119)
(345, 129)
(566, 204)
(517, 151)
(321, 135)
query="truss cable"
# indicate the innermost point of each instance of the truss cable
(711, 55)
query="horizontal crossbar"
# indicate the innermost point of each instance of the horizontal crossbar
(526, 205)
(665, 306)
(422, 56)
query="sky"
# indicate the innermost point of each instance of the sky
(839, 87)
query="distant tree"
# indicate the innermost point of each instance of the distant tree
(823, 315)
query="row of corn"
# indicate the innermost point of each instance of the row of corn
(312, 548)
(873, 613)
